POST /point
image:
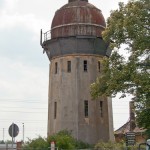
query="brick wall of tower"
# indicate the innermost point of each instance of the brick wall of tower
(70, 90)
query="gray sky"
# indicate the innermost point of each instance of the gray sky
(24, 69)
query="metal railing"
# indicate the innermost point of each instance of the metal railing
(47, 35)
(8, 147)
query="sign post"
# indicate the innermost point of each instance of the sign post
(148, 144)
(130, 138)
(13, 132)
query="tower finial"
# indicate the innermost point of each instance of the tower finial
(77, 0)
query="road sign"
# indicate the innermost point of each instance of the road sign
(130, 138)
(148, 144)
(13, 130)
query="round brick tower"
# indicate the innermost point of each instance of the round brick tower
(75, 49)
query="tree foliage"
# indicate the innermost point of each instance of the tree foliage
(2, 142)
(62, 139)
(37, 143)
(116, 146)
(129, 27)
(109, 146)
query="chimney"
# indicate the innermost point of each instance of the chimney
(19, 145)
(132, 116)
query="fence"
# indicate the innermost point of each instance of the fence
(8, 146)
(142, 146)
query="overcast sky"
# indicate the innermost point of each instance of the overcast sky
(24, 69)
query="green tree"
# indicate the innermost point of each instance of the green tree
(109, 146)
(37, 143)
(129, 27)
(2, 142)
(62, 139)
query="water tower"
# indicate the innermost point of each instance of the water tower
(75, 48)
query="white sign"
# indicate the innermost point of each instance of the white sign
(52, 145)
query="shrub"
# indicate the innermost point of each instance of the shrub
(109, 146)
(62, 139)
(39, 143)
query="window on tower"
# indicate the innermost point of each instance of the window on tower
(85, 65)
(69, 66)
(86, 107)
(56, 67)
(99, 66)
(101, 108)
(55, 110)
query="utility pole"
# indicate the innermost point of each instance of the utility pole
(23, 132)
(12, 136)
(3, 134)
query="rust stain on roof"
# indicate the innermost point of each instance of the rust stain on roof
(77, 18)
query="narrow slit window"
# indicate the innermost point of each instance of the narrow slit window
(69, 66)
(101, 108)
(99, 66)
(85, 65)
(56, 67)
(86, 109)
(55, 110)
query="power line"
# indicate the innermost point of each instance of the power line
(23, 107)
(20, 111)
(34, 121)
(24, 100)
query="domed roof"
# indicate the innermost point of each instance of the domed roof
(78, 17)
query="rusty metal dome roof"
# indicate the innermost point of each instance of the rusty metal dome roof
(76, 18)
